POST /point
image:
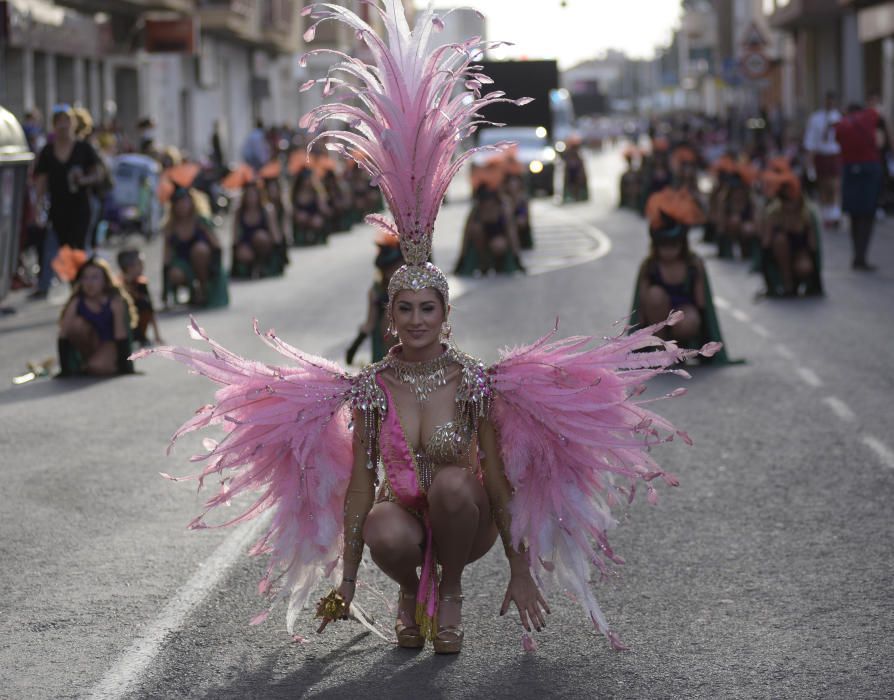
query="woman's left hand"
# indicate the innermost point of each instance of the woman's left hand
(530, 603)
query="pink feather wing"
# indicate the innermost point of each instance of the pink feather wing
(287, 442)
(575, 441)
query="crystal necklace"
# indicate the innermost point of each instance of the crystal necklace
(422, 377)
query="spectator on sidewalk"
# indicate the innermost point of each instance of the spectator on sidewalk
(95, 324)
(66, 169)
(824, 159)
(34, 133)
(217, 153)
(856, 134)
(886, 153)
(256, 151)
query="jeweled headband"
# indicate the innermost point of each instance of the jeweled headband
(414, 108)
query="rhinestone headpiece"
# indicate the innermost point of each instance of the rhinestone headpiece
(417, 277)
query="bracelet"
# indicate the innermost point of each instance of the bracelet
(345, 579)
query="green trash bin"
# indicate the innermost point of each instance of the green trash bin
(15, 158)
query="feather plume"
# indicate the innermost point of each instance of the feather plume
(414, 107)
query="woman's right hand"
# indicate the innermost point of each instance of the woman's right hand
(346, 590)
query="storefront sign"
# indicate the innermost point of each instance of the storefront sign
(175, 35)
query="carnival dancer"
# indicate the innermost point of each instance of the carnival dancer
(673, 279)
(257, 240)
(192, 253)
(490, 238)
(309, 208)
(631, 180)
(722, 170)
(737, 224)
(824, 159)
(516, 190)
(95, 324)
(575, 187)
(656, 170)
(445, 452)
(388, 261)
(791, 244)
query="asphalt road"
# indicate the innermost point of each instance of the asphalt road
(766, 574)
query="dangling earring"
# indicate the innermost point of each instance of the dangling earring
(392, 331)
(446, 330)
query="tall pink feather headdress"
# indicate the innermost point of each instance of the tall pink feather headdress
(414, 108)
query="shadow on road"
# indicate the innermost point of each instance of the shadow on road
(48, 387)
(399, 673)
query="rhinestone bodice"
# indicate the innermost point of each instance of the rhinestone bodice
(449, 443)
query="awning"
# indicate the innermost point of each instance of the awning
(876, 22)
(805, 13)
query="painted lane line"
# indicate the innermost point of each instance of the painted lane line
(721, 303)
(784, 352)
(809, 377)
(740, 315)
(760, 330)
(124, 675)
(882, 451)
(840, 409)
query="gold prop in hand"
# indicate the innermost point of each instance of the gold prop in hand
(330, 608)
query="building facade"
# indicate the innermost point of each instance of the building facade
(93, 53)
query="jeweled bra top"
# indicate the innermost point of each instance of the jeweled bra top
(449, 442)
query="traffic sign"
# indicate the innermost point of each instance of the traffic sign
(754, 38)
(754, 65)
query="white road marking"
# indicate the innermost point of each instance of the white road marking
(740, 315)
(882, 451)
(840, 409)
(760, 330)
(602, 244)
(809, 377)
(123, 676)
(720, 302)
(785, 352)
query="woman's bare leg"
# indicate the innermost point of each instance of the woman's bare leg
(81, 335)
(262, 243)
(463, 530)
(782, 253)
(104, 361)
(395, 539)
(655, 307)
(689, 326)
(245, 254)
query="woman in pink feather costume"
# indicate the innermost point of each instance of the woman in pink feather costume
(428, 455)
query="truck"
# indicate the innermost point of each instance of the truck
(541, 127)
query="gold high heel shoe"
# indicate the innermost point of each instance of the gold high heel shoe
(408, 636)
(449, 640)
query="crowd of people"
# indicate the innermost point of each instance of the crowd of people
(767, 203)
(283, 198)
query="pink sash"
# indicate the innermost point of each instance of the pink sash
(400, 468)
